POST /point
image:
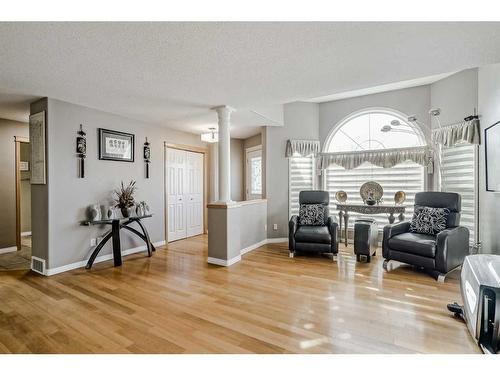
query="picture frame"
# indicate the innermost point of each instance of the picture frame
(38, 152)
(492, 155)
(116, 146)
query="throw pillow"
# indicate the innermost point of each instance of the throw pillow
(311, 214)
(429, 220)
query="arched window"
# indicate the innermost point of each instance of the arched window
(374, 129)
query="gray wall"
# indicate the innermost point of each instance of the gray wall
(256, 140)
(237, 168)
(300, 122)
(68, 196)
(8, 130)
(489, 203)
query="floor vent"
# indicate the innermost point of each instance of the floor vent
(38, 265)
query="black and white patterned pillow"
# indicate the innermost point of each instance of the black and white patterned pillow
(429, 220)
(311, 214)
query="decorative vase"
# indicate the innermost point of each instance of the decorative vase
(370, 201)
(139, 210)
(127, 211)
(95, 212)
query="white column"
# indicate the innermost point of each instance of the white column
(224, 114)
(214, 172)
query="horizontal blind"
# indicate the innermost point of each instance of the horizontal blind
(458, 175)
(407, 176)
(300, 177)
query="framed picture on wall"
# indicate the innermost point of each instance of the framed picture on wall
(37, 142)
(492, 155)
(115, 145)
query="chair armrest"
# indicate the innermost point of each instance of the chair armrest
(452, 246)
(293, 224)
(391, 230)
(332, 225)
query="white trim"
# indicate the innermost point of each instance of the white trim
(99, 259)
(253, 148)
(25, 234)
(253, 247)
(227, 263)
(6, 250)
(223, 262)
(277, 240)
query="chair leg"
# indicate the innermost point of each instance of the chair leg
(334, 257)
(441, 277)
(291, 254)
(386, 265)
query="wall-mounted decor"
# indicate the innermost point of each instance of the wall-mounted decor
(492, 155)
(147, 156)
(37, 142)
(81, 150)
(115, 145)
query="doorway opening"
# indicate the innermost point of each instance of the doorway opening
(18, 257)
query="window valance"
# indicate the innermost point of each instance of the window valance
(385, 158)
(301, 147)
(464, 132)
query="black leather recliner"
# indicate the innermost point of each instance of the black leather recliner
(439, 254)
(313, 238)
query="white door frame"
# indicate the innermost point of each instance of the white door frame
(200, 150)
(247, 181)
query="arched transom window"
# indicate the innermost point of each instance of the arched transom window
(373, 129)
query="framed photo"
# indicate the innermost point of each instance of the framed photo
(492, 155)
(115, 145)
(37, 141)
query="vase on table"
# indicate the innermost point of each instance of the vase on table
(127, 211)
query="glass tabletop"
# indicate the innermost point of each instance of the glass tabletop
(110, 221)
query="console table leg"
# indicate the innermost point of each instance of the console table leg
(97, 249)
(346, 223)
(401, 217)
(117, 251)
(148, 241)
(341, 217)
(391, 218)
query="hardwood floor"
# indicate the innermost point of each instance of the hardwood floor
(175, 302)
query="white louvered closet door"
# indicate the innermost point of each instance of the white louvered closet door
(458, 175)
(184, 194)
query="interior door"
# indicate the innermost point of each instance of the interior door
(176, 187)
(194, 196)
(254, 174)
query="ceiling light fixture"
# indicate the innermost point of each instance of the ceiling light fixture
(211, 137)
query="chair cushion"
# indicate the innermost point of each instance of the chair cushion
(313, 233)
(312, 214)
(429, 220)
(414, 243)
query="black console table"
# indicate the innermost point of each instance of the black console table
(114, 233)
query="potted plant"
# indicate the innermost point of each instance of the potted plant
(124, 198)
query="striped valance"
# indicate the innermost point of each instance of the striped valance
(464, 132)
(385, 158)
(301, 147)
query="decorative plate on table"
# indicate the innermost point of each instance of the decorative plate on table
(399, 197)
(341, 196)
(373, 189)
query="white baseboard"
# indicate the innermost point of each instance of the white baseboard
(223, 262)
(277, 240)
(25, 234)
(253, 247)
(99, 259)
(226, 263)
(6, 250)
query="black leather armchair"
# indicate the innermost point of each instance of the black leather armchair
(438, 254)
(313, 238)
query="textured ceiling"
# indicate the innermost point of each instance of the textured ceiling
(173, 73)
